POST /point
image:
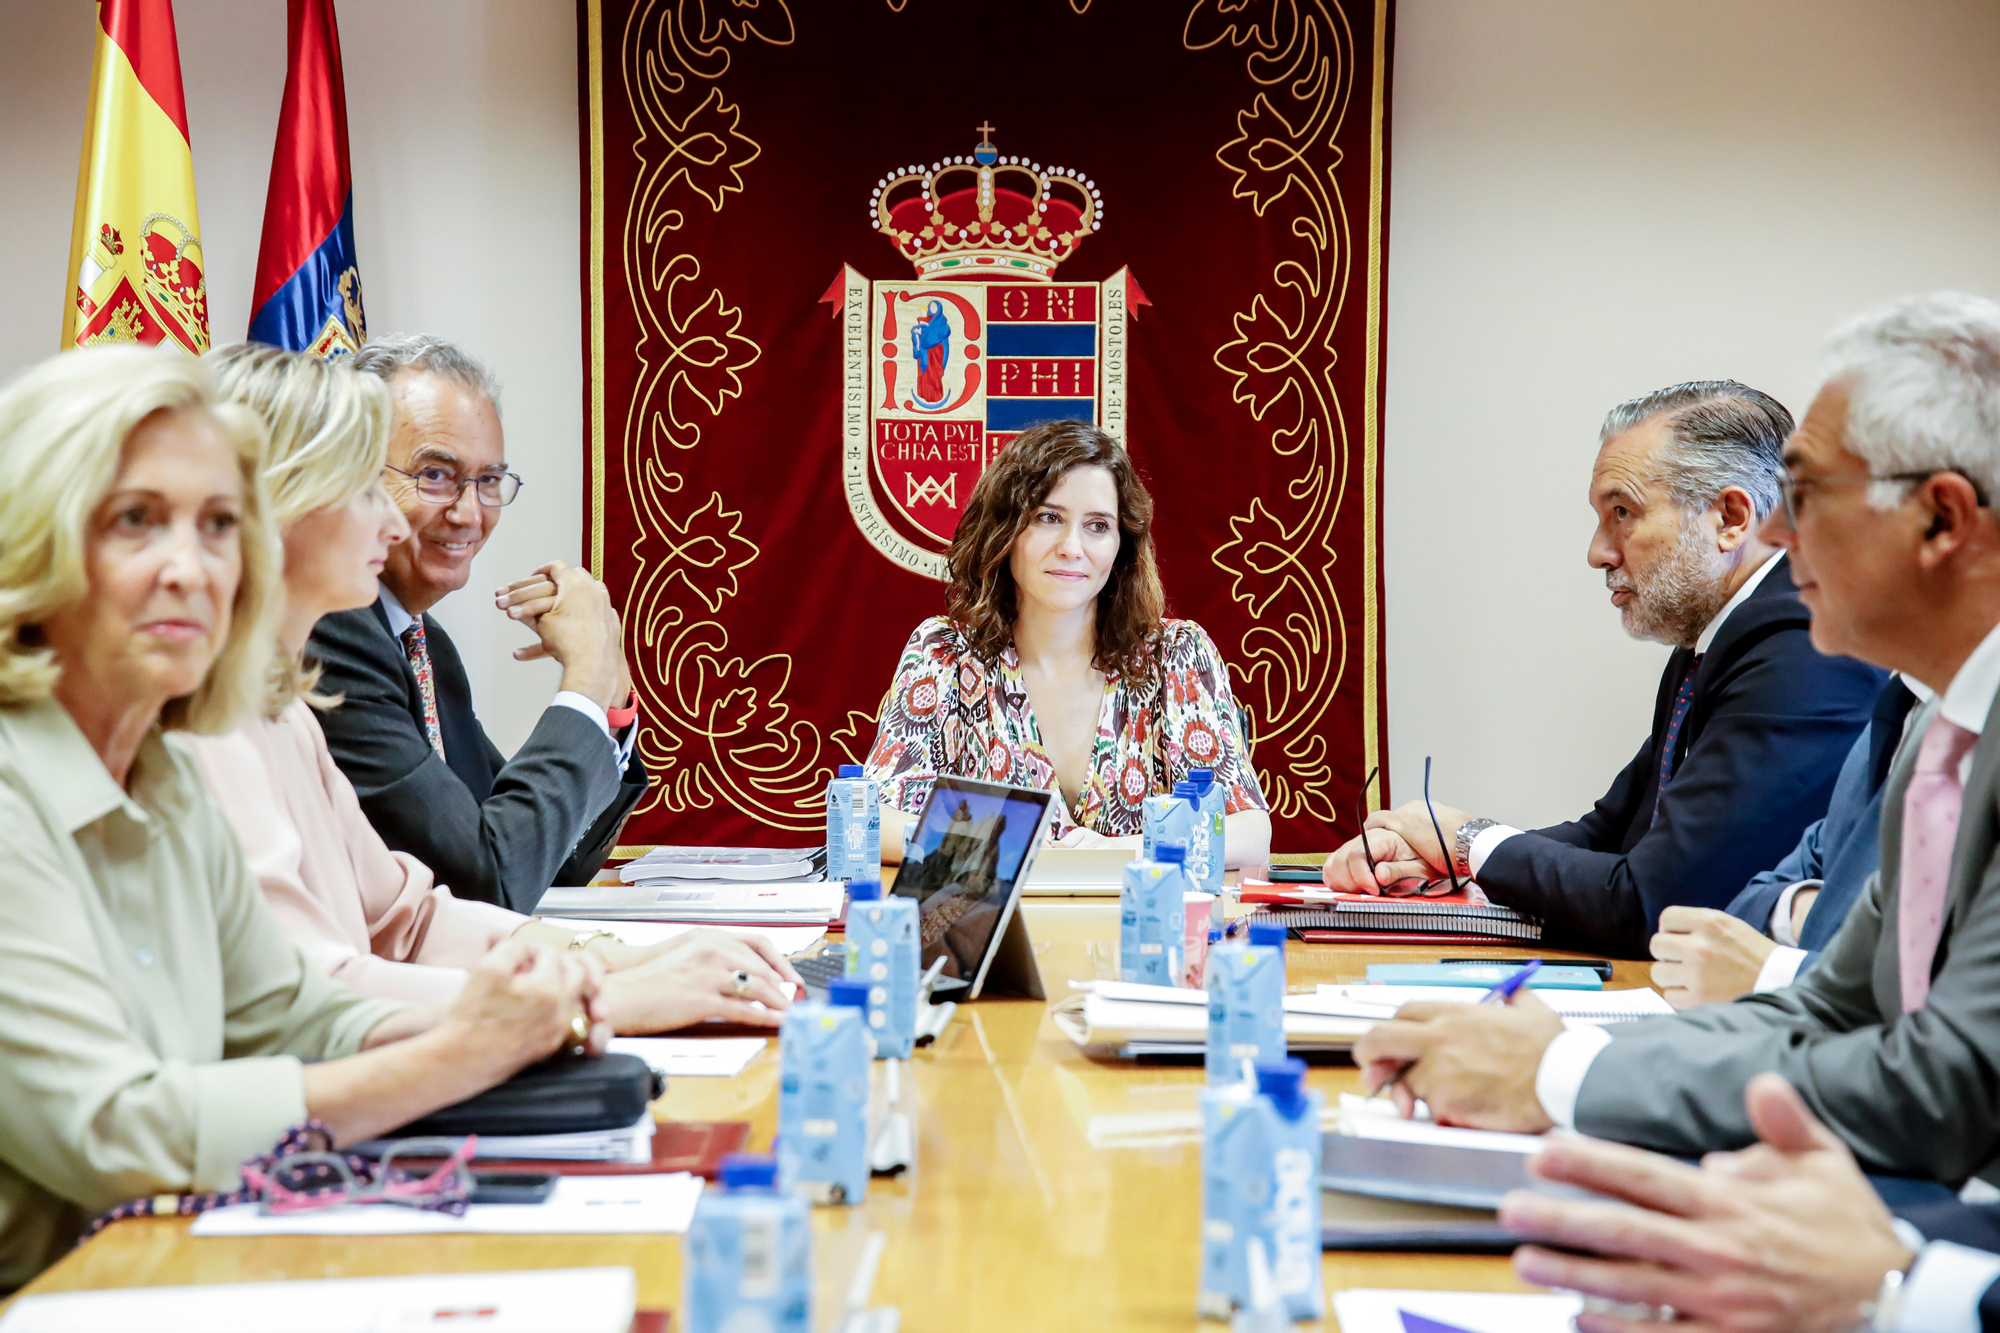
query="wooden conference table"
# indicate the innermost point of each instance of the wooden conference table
(1051, 1191)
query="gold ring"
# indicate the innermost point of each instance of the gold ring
(579, 1028)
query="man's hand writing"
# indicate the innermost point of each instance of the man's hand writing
(1475, 1064)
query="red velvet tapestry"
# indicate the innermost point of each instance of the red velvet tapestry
(837, 252)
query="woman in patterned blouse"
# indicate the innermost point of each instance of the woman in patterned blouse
(1054, 666)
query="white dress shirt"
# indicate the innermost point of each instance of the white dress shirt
(400, 620)
(1486, 840)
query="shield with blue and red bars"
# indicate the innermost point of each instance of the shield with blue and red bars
(941, 375)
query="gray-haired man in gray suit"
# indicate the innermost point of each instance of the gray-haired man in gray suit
(1893, 1039)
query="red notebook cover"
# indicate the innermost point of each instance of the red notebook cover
(1425, 938)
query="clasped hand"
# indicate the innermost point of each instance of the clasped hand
(518, 1005)
(575, 623)
(1404, 845)
(1785, 1235)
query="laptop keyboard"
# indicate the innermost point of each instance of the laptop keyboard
(820, 971)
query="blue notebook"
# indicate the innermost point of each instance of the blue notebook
(1480, 976)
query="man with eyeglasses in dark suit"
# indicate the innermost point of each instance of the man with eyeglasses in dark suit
(405, 734)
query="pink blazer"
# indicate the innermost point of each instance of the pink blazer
(368, 916)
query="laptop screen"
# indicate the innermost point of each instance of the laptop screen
(973, 838)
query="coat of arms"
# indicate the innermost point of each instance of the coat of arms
(942, 369)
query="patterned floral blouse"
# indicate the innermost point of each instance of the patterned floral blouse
(950, 713)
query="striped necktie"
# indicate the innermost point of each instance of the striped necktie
(1683, 700)
(419, 654)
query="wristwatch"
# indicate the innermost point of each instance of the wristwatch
(1462, 853)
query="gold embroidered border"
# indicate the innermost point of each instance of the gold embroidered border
(1281, 556)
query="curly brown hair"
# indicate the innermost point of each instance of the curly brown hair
(982, 598)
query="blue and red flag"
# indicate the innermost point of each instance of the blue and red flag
(308, 295)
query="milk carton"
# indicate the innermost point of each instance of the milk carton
(1210, 802)
(1197, 910)
(1260, 1163)
(1151, 911)
(825, 1057)
(853, 826)
(1246, 1002)
(747, 1261)
(1165, 819)
(882, 952)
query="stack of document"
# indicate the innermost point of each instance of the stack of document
(631, 1144)
(759, 865)
(1578, 1008)
(1170, 1020)
(714, 903)
(556, 1300)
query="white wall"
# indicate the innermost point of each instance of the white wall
(1590, 200)
(463, 128)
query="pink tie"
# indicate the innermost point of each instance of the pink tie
(1930, 827)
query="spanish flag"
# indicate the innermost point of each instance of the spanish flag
(135, 253)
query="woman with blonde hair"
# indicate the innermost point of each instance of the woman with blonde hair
(156, 1027)
(1055, 665)
(368, 916)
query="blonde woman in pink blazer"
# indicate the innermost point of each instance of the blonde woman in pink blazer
(370, 917)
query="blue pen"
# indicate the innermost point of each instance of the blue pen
(1500, 994)
(1504, 992)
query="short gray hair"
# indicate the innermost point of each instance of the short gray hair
(1719, 434)
(386, 354)
(1923, 386)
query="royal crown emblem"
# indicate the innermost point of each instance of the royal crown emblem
(147, 293)
(941, 372)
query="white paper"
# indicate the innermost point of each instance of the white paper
(1316, 1003)
(1179, 1025)
(790, 941)
(1377, 1118)
(1577, 1007)
(759, 864)
(555, 1300)
(1367, 1310)
(580, 1205)
(759, 904)
(692, 1057)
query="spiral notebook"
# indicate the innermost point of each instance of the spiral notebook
(1411, 916)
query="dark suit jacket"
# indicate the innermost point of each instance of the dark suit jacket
(1912, 1094)
(1755, 762)
(496, 830)
(1974, 1225)
(1842, 850)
